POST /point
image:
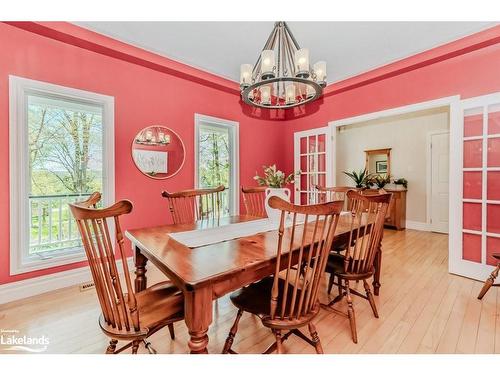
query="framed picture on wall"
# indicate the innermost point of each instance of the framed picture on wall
(151, 162)
(381, 166)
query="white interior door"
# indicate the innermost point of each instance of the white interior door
(475, 187)
(313, 150)
(440, 167)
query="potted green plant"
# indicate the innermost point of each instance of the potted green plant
(361, 178)
(380, 181)
(275, 180)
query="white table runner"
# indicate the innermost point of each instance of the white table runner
(209, 236)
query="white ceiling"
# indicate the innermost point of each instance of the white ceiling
(349, 48)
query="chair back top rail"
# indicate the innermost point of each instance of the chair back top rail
(299, 297)
(189, 206)
(119, 309)
(254, 200)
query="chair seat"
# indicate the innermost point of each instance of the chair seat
(158, 305)
(496, 255)
(256, 297)
(335, 265)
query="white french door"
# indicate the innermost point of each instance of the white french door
(475, 187)
(313, 156)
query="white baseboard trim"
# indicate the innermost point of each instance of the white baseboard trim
(47, 283)
(418, 225)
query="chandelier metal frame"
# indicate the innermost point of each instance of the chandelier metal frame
(285, 71)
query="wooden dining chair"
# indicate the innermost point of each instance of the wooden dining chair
(126, 314)
(333, 193)
(254, 198)
(358, 261)
(188, 206)
(288, 300)
(491, 279)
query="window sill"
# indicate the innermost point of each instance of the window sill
(20, 266)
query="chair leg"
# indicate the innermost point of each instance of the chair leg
(315, 338)
(279, 343)
(111, 347)
(330, 283)
(489, 282)
(369, 295)
(232, 333)
(171, 330)
(148, 346)
(350, 313)
(135, 346)
(339, 287)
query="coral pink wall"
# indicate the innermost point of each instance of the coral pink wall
(143, 96)
(467, 67)
(150, 89)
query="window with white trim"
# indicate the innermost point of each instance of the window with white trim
(61, 150)
(216, 159)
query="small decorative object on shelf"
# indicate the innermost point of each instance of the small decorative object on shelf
(276, 181)
(401, 182)
(362, 178)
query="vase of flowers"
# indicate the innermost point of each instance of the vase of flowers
(275, 180)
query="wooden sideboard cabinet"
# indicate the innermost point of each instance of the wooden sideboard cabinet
(396, 217)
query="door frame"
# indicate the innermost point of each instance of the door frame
(453, 102)
(428, 171)
(234, 128)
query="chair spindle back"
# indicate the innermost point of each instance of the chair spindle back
(334, 193)
(188, 206)
(306, 242)
(369, 209)
(118, 309)
(254, 198)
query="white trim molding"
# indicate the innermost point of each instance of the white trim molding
(234, 128)
(428, 173)
(19, 88)
(37, 285)
(418, 225)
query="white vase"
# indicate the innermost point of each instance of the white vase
(284, 193)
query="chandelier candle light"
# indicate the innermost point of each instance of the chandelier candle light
(282, 77)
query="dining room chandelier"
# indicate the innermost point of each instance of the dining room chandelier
(282, 76)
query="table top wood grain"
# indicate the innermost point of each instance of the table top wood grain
(193, 268)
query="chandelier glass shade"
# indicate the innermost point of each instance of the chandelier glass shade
(282, 77)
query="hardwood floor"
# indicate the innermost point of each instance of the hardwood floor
(422, 309)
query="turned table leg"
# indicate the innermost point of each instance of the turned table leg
(198, 317)
(378, 265)
(140, 270)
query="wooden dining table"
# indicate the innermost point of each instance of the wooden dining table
(208, 272)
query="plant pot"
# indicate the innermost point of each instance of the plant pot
(283, 193)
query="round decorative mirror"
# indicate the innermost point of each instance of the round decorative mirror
(158, 152)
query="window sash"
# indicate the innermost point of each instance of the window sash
(223, 126)
(19, 90)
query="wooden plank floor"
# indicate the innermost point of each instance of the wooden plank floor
(422, 309)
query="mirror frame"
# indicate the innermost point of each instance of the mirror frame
(386, 151)
(183, 149)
